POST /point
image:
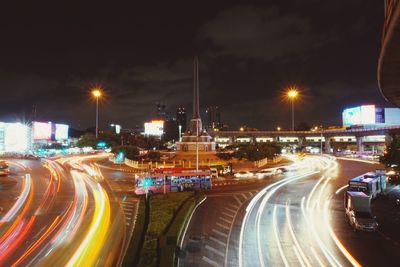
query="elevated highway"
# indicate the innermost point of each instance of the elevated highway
(359, 137)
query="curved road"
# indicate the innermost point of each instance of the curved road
(59, 212)
(295, 219)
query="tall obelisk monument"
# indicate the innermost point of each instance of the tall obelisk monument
(195, 139)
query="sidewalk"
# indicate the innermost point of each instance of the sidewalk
(117, 167)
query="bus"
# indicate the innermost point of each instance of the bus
(165, 180)
(371, 183)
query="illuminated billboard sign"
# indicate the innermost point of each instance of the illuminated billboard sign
(16, 137)
(352, 116)
(61, 132)
(41, 130)
(368, 114)
(155, 127)
(359, 115)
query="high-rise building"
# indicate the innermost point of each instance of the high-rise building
(213, 120)
(181, 118)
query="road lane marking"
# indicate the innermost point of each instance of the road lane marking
(218, 241)
(227, 214)
(231, 210)
(219, 233)
(225, 220)
(244, 196)
(238, 200)
(234, 206)
(211, 262)
(223, 226)
(215, 250)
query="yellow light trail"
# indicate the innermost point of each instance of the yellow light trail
(90, 248)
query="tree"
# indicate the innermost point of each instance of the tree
(87, 140)
(392, 154)
(131, 152)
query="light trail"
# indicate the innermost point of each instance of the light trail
(312, 210)
(26, 190)
(296, 242)
(90, 247)
(341, 188)
(278, 242)
(341, 247)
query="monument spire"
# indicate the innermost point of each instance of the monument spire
(196, 108)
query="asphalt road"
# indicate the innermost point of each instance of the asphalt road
(60, 212)
(294, 219)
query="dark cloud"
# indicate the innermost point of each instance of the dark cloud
(143, 54)
(260, 33)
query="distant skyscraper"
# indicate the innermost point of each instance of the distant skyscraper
(213, 118)
(181, 118)
(161, 111)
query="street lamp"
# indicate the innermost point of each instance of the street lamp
(97, 93)
(292, 94)
(278, 128)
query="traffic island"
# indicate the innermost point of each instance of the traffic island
(168, 214)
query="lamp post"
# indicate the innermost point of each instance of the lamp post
(96, 93)
(292, 95)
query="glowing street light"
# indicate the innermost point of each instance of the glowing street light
(292, 94)
(97, 93)
(278, 128)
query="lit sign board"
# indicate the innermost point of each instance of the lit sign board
(359, 115)
(61, 132)
(154, 128)
(368, 114)
(41, 130)
(16, 137)
(352, 116)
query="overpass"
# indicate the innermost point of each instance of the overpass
(377, 136)
(389, 58)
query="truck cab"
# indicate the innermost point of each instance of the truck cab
(358, 211)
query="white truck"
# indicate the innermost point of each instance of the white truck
(357, 206)
(371, 183)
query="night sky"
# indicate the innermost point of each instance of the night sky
(249, 51)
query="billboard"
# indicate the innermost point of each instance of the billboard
(352, 116)
(368, 114)
(359, 115)
(16, 137)
(41, 130)
(155, 127)
(61, 132)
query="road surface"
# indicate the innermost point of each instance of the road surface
(295, 219)
(60, 212)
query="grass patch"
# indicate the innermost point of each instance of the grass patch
(163, 211)
(133, 252)
(169, 241)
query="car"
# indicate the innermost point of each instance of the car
(243, 174)
(265, 173)
(281, 170)
(4, 170)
